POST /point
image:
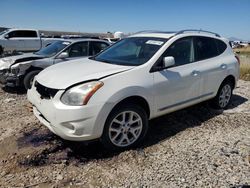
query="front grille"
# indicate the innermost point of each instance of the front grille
(45, 92)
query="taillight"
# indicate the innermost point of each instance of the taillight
(238, 59)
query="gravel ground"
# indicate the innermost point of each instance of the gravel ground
(194, 147)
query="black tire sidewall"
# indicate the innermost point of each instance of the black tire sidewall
(28, 77)
(1, 50)
(105, 140)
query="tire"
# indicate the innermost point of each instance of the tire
(28, 79)
(224, 96)
(120, 133)
(1, 51)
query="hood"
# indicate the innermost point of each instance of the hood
(6, 62)
(66, 74)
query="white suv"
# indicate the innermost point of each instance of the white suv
(112, 95)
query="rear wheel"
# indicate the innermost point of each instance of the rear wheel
(224, 95)
(28, 79)
(125, 127)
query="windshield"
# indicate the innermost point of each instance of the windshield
(132, 51)
(5, 31)
(53, 49)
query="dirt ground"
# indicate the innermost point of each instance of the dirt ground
(194, 147)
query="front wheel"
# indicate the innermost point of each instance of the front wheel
(224, 96)
(28, 79)
(1, 51)
(125, 127)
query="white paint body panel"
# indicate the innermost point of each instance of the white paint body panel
(165, 91)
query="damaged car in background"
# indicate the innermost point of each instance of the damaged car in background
(20, 70)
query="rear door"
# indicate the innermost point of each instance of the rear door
(180, 85)
(212, 65)
(32, 40)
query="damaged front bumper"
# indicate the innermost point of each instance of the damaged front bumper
(9, 79)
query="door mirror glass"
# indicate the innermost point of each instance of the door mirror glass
(63, 55)
(7, 36)
(168, 61)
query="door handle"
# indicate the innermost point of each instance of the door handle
(195, 73)
(223, 66)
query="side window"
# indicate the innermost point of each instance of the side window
(206, 48)
(13, 34)
(22, 34)
(221, 46)
(78, 49)
(96, 47)
(182, 50)
(29, 34)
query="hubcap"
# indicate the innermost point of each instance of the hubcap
(225, 96)
(125, 128)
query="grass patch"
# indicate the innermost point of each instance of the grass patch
(243, 51)
(245, 71)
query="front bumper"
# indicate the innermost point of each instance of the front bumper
(75, 123)
(3, 74)
(10, 79)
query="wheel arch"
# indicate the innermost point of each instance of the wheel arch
(231, 79)
(135, 99)
(33, 68)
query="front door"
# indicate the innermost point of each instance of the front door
(76, 50)
(178, 86)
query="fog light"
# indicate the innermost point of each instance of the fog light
(69, 126)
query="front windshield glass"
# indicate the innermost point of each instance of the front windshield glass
(53, 49)
(5, 31)
(132, 51)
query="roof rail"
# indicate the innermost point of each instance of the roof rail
(197, 30)
(155, 31)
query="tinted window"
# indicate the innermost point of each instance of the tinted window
(182, 50)
(25, 34)
(221, 46)
(96, 47)
(205, 48)
(78, 49)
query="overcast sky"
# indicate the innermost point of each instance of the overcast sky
(226, 17)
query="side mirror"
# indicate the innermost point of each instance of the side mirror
(63, 55)
(168, 61)
(7, 36)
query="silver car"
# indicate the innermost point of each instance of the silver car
(20, 70)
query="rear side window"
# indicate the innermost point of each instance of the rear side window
(205, 48)
(221, 46)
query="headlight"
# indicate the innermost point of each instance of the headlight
(14, 70)
(80, 95)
